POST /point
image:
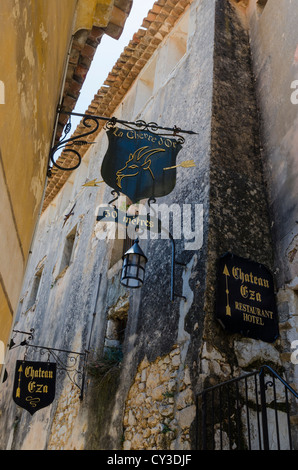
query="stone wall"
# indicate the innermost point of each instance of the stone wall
(275, 64)
(159, 409)
(64, 428)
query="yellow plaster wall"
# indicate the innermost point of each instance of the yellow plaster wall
(93, 12)
(34, 40)
(5, 316)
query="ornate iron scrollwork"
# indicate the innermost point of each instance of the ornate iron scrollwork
(72, 362)
(115, 199)
(68, 362)
(76, 140)
(152, 127)
(29, 334)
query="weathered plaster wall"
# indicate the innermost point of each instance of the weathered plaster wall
(274, 53)
(239, 220)
(155, 325)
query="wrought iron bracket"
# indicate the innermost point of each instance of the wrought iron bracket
(174, 262)
(30, 334)
(71, 364)
(91, 122)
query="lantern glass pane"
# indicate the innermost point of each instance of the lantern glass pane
(133, 270)
(141, 274)
(133, 283)
(133, 258)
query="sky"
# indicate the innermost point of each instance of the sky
(107, 54)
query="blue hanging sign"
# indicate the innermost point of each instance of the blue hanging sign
(144, 222)
(137, 163)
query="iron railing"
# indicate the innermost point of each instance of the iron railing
(251, 412)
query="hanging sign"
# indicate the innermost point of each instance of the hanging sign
(245, 301)
(142, 221)
(140, 164)
(34, 385)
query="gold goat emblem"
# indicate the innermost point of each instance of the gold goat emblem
(138, 161)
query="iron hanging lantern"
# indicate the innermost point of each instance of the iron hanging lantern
(133, 270)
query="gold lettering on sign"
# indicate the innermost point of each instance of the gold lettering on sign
(34, 387)
(138, 135)
(238, 274)
(252, 319)
(38, 373)
(117, 132)
(250, 294)
(253, 314)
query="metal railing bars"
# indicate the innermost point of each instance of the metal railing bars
(248, 412)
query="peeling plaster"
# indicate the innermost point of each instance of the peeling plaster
(29, 50)
(43, 32)
(185, 306)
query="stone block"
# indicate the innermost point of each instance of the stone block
(184, 399)
(186, 416)
(158, 392)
